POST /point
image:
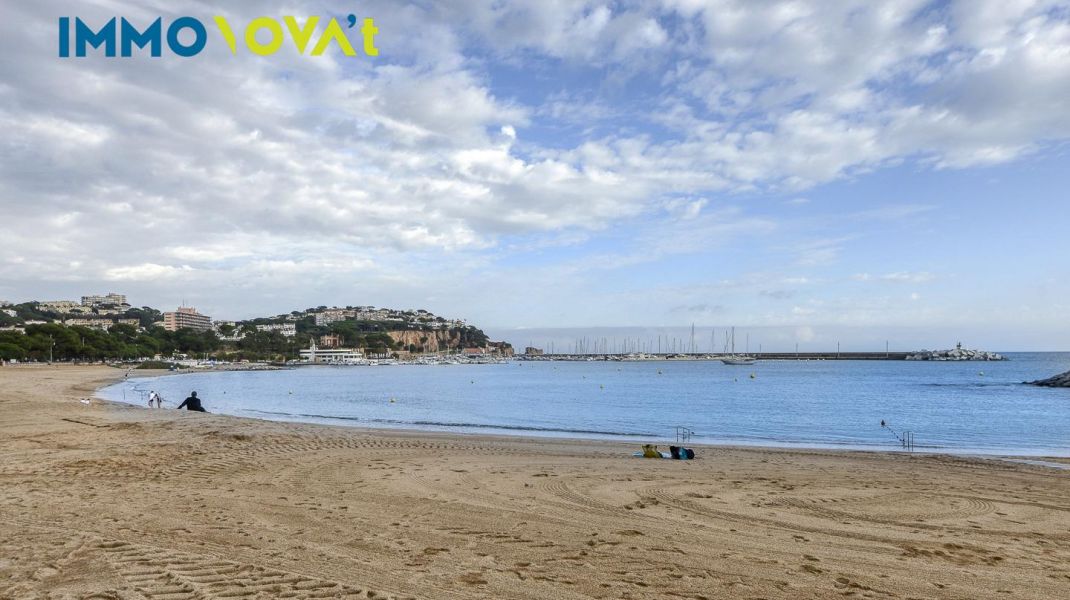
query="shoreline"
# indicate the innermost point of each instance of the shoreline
(107, 500)
(635, 440)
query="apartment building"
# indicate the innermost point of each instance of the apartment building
(333, 315)
(60, 306)
(186, 317)
(111, 298)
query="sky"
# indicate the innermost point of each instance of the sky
(813, 172)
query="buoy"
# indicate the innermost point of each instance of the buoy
(752, 375)
(982, 374)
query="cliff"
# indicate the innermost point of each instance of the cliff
(448, 339)
(428, 341)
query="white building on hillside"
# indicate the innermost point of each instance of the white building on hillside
(286, 329)
(111, 298)
(60, 306)
(332, 315)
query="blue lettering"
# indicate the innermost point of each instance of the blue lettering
(83, 35)
(64, 37)
(200, 35)
(131, 36)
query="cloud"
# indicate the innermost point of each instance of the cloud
(144, 272)
(820, 252)
(487, 128)
(897, 277)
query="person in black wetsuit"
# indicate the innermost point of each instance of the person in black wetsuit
(192, 403)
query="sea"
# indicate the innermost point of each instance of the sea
(948, 407)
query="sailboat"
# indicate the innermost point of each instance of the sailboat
(737, 359)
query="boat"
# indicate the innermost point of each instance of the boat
(737, 359)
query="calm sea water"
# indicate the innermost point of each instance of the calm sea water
(950, 407)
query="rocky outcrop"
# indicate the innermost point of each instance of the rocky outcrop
(427, 341)
(443, 340)
(500, 348)
(1057, 381)
(959, 353)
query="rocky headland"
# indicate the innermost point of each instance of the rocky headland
(1062, 380)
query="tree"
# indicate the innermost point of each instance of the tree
(145, 315)
(9, 351)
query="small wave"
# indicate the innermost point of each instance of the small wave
(460, 425)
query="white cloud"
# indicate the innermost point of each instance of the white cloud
(145, 272)
(490, 127)
(906, 277)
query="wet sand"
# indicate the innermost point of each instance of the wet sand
(107, 501)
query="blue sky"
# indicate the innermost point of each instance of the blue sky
(850, 171)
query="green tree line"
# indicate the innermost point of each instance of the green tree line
(126, 342)
(121, 342)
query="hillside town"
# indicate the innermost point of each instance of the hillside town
(108, 326)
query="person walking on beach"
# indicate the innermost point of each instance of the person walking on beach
(192, 403)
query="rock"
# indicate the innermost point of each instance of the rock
(1062, 380)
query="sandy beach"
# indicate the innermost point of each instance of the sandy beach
(100, 500)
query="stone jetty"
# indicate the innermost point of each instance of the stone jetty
(1057, 381)
(958, 353)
